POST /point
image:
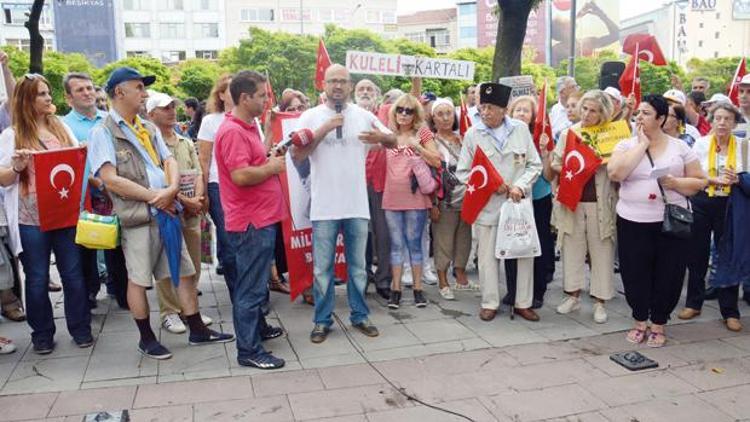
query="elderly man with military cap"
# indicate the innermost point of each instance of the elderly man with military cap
(508, 145)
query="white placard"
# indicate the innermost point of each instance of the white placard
(521, 85)
(401, 65)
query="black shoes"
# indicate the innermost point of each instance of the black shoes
(385, 292)
(419, 300)
(366, 328)
(395, 299)
(319, 333)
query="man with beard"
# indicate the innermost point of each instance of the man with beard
(366, 95)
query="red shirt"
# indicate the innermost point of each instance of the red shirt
(238, 145)
(375, 164)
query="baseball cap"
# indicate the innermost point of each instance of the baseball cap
(124, 74)
(614, 93)
(427, 97)
(676, 96)
(718, 98)
(745, 80)
(158, 99)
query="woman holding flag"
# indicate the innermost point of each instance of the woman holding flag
(35, 128)
(653, 169)
(584, 213)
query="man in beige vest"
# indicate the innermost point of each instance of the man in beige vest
(142, 178)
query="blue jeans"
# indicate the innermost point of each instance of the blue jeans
(325, 233)
(37, 247)
(406, 229)
(255, 249)
(224, 250)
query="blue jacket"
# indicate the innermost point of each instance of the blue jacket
(733, 266)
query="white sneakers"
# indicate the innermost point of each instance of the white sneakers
(569, 304)
(572, 303)
(173, 323)
(600, 314)
(447, 293)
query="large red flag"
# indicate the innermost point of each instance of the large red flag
(483, 181)
(321, 65)
(734, 88)
(541, 123)
(647, 47)
(630, 81)
(579, 165)
(464, 121)
(58, 175)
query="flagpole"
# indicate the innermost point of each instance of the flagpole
(635, 66)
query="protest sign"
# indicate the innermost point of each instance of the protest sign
(520, 85)
(604, 138)
(401, 65)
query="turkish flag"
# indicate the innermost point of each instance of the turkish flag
(734, 88)
(270, 100)
(630, 81)
(321, 65)
(464, 121)
(484, 180)
(541, 123)
(59, 175)
(647, 47)
(579, 165)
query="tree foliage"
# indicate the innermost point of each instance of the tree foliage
(196, 77)
(147, 66)
(718, 71)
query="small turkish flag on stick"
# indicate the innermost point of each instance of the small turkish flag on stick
(58, 176)
(579, 165)
(321, 64)
(734, 88)
(484, 180)
(541, 123)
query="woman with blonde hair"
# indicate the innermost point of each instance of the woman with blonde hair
(590, 229)
(404, 201)
(523, 108)
(35, 128)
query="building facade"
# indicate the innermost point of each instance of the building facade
(12, 31)
(436, 28)
(308, 16)
(170, 30)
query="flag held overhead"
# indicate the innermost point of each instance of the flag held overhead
(321, 64)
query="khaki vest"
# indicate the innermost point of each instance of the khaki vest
(129, 165)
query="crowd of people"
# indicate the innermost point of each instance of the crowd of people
(387, 171)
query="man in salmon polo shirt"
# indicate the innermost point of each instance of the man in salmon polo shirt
(252, 201)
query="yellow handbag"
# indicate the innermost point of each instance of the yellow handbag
(95, 231)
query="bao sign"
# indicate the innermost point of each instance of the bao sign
(401, 65)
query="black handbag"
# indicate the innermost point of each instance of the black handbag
(677, 219)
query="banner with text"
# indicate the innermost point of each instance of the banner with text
(297, 230)
(401, 65)
(604, 138)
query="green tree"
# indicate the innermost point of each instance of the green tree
(196, 77)
(147, 66)
(511, 30)
(588, 68)
(657, 79)
(718, 71)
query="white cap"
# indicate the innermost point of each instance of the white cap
(718, 98)
(614, 93)
(745, 80)
(677, 96)
(442, 101)
(158, 99)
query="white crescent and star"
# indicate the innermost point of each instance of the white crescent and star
(483, 171)
(64, 168)
(581, 164)
(648, 54)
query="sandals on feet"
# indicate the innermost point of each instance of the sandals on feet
(6, 346)
(636, 335)
(470, 286)
(656, 339)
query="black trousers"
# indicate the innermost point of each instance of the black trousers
(708, 215)
(652, 266)
(728, 297)
(118, 274)
(90, 271)
(544, 265)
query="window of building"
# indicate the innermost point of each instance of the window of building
(467, 9)
(438, 37)
(332, 15)
(171, 5)
(388, 16)
(136, 53)
(716, 35)
(716, 54)
(416, 36)
(256, 15)
(132, 4)
(718, 15)
(172, 56)
(291, 14)
(172, 30)
(373, 16)
(207, 5)
(25, 44)
(137, 30)
(700, 43)
(15, 14)
(207, 54)
(206, 30)
(700, 25)
(468, 31)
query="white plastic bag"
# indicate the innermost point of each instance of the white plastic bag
(516, 231)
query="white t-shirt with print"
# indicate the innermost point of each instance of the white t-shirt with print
(337, 166)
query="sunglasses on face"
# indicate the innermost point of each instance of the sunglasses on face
(406, 111)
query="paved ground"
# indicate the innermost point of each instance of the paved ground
(444, 355)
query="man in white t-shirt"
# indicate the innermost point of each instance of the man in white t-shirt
(558, 116)
(339, 196)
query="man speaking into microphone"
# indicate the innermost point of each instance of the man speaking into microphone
(343, 134)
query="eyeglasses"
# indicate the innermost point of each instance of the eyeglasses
(405, 111)
(293, 109)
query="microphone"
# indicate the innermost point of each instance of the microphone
(338, 106)
(300, 138)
